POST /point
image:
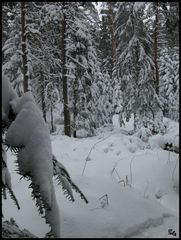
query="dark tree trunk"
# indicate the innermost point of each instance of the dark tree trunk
(67, 129)
(42, 89)
(52, 126)
(113, 40)
(156, 49)
(24, 47)
(74, 107)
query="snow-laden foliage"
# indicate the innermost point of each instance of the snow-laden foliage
(9, 97)
(12, 61)
(6, 179)
(30, 133)
(107, 41)
(105, 99)
(83, 69)
(169, 82)
(134, 68)
(28, 136)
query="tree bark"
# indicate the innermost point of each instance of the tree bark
(156, 49)
(42, 89)
(52, 125)
(67, 129)
(113, 40)
(75, 107)
(24, 47)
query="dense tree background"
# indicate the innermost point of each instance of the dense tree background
(90, 66)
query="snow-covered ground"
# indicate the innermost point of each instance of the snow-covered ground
(132, 190)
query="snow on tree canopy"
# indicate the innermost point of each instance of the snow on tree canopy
(30, 132)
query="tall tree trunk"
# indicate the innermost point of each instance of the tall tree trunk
(156, 49)
(75, 107)
(51, 111)
(112, 31)
(42, 89)
(24, 47)
(67, 129)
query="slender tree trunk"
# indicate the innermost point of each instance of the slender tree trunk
(24, 47)
(67, 129)
(42, 89)
(75, 107)
(135, 122)
(113, 40)
(52, 126)
(156, 49)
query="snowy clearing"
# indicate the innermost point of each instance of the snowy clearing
(132, 191)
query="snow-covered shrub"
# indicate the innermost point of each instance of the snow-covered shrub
(134, 143)
(171, 138)
(144, 134)
(132, 147)
(156, 141)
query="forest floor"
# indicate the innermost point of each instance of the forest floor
(132, 190)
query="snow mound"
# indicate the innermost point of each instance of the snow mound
(156, 141)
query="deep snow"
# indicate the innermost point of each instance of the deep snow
(146, 206)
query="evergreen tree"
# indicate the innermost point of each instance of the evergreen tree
(169, 82)
(82, 68)
(24, 47)
(12, 60)
(134, 66)
(27, 135)
(107, 41)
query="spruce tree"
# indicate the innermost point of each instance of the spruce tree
(134, 67)
(11, 49)
(169, 82)
(107, 41)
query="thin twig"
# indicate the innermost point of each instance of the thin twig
(87, 158)
(174, 169)
(123, 182)
(131, 177)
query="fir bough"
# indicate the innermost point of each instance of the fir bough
(65, 181)
(62, 176)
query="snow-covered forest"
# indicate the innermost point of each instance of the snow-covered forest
(90, 119)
